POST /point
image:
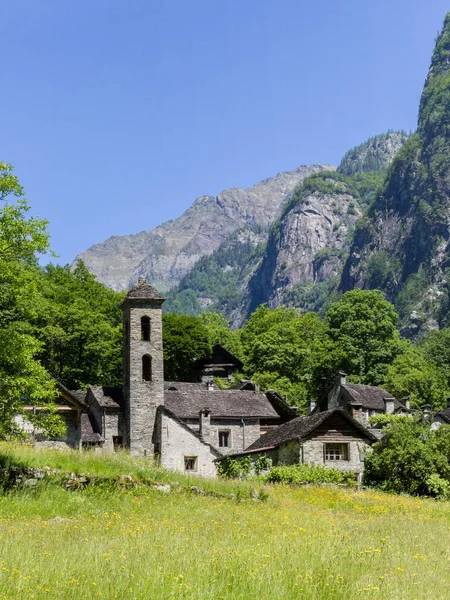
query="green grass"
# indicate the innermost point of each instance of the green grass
(309, 542)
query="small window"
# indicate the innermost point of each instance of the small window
(224, 439)
(335, 452)
(145, 329)
(190, 463)
(147, 367)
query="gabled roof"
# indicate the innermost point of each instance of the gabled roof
(184, 386)
(72, 396)
(371, 397)
(220, 357)
(143, 291)
(181, 423)
(301, 427)
(107, 396)
(89, 430)
(222, 403)
(444, 414)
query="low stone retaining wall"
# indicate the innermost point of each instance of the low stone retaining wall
(16, 477)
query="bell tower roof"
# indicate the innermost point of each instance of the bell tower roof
(143, 291)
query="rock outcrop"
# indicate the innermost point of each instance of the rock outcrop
(308, 247)
(165, 254)
(374, 155)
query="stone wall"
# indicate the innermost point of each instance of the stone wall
(313, 453)
(177, 442)
(240, 437)
(289, 453)
(70, 439)
(114, 426)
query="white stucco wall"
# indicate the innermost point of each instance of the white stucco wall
(177, 442)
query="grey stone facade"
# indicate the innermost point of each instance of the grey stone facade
(331, 438)
(142, 397)
(178, 443)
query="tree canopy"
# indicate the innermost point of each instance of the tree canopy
(22, 237)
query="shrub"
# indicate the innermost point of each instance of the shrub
(308, 474)
(411, 458)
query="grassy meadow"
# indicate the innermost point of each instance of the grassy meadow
(308, 542)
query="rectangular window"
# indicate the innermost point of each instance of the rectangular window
(335, 452)
(224, 439)
(190, 463)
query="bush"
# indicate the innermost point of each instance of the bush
(411, 458)
(382, 420)
(308, 474)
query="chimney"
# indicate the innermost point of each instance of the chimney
(311, 406)
(340, 378)
(205, 424)
(210, 385)
(406, 403)
(358, 414)
(356, 408)
(389, 407)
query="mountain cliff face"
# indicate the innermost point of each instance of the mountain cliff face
(402, 246)
(165, 254)
(307, 248)
(302, 262)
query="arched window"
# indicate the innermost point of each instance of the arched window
(145, 329)
(147, 367)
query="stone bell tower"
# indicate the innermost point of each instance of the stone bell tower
(143, 368)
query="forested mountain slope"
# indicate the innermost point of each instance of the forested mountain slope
(402, 246)
(165, 254)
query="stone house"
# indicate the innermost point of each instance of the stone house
(331, 438)
(442, 417)
(361, 401)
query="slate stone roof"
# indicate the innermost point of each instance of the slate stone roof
(77, 396)
(222, 403)
(444, 414)
(80, 395)
(371, 397)
(89, 431)
(301, 427)
(143, 291)
(184, 386)
(107, 396)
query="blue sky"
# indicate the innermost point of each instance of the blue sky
(117, 115)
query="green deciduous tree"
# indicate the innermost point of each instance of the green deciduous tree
(22, 377)
(280, 349)
(411, 374)
(185, 339)
(219, 332)
(79, 322)
(411, 458)
(362, 327)
(435, 346)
